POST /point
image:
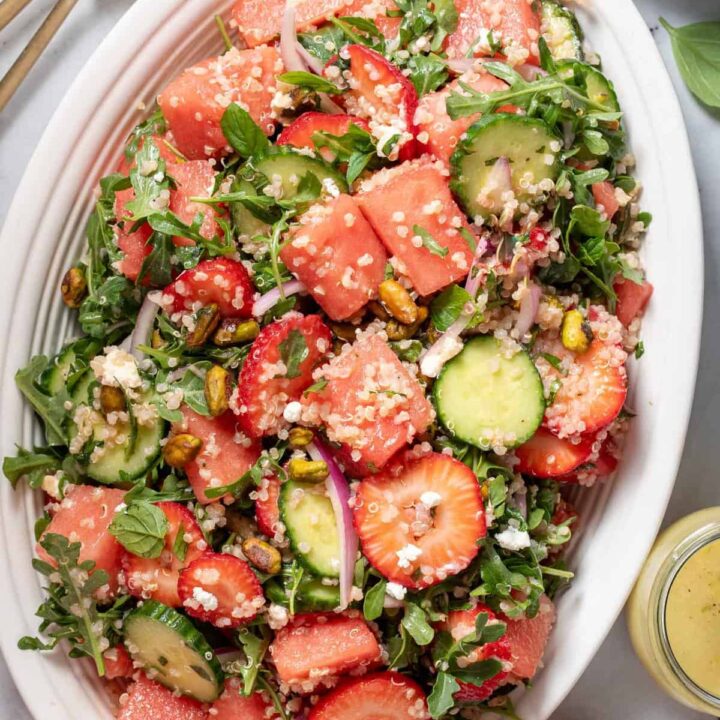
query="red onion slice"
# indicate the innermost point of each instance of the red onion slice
(311, 62)
(461, 65)
(271, 297)
(528, 309)
(143, 326)
(530, 72)
(339, 492)
(289, 43)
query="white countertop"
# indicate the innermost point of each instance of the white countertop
(615, 685)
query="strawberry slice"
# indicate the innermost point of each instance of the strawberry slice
(300, 132)
(460, 624)
(593, 392)
(267, 512)
(323, 645)
(632, 298)
(565, 511)
(118, 663)
(149, 699)
(233, 705)
(375, 697)
(157, 578)
(528, 637)
(220, 589)
(545, 455)
(380, 93)
(222, 281)
(419, 523)
(277, 371)
(225, 456)
(603, 463)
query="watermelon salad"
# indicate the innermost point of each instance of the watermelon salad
(356, 307)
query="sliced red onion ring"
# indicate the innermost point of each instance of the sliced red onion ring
(461, 65)
(339, 493)
(447, 346)
(311, 62)
(528, 309)
(530, 72)
(472, 282)
(271, 297)
(143, 326)
(292, 60)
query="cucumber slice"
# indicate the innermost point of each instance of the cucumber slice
(561, 31)
(248, 226)
(600, 90)
(290, 167)
(161, 639)
(107, 467)
(525, 142)
(488, 399)
(312, 594)
(55, 374)
(309, 519)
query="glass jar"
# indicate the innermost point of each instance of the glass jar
(674, 611)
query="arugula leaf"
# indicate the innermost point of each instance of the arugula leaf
(447, 307)
(407, 350)
(696, 49)
(157, 265)
(113, 305)
(180, 545)
(33, 465)
(427, 73)
(293, 351)
(430, 242)
(71, 611)
(141, 529)
(639, 352)
(254, 647)
(309, 81)
(374, 601)
(440, 699)
(243, 134)
(324, 42)
(192, 383)
(316, 387)
(415, 622)
(149, 181)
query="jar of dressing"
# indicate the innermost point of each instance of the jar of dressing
(674, 611)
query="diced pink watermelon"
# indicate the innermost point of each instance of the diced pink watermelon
(516, 21)
(195, 101)
(118, 663)
(632, 298)
(233, 705)
(528, 639)
(371, 404)
(259, 21)
(416, 193)
(135, 248)
(604, 194)
(226, 453)
(443, 133)
(300, 132)
(193, 179)
(149, 700)
(166, 153)
(84, 516)
(336, 254)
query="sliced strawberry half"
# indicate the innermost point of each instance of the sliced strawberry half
(323, 645)
(545, 455)
(603, 463)
(300, 132)
(220, 589)
(592, 394)
(632, 298)
(419, 523)
(460, 624)
(277, 371)
(267, 512)
(222, 281)
(374, 697)
(379, 92)
(157, 578)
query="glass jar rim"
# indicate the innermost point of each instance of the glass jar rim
(689, 547)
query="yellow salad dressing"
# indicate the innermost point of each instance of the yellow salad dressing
(692, 617)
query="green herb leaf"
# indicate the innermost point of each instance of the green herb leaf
(149, 181)
(254, 647)
(415, 622)
(374, 601)
(243, 134)
(33, 465)
(430, 242)
(316, 387)
(180, 545)
(440, 699)
(639, 351)
(141, 529)
(696, 49)
(311, 82)
(447, 307)
(427, 73)
(293, 351)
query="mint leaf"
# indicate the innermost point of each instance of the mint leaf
(141, 529)
(374, 601)
(309, 81)
(430, 242)
(243, 134)
(415, 622)
(446, 308)
(293, 350)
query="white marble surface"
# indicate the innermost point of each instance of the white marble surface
(615, 685)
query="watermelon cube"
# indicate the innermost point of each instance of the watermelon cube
(84, 516)
(632, 298)
(431, 117)
(149, 700)
(193, 179)
(412, 211)
(371, 404)
(233, 705)
(528, 639)
(194, 102)
(337, 255)
(317, 646)
(226, 453)
(135, 248)
(517, 22)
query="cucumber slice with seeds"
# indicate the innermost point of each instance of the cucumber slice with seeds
(288, 167)
(561, 31)
(163, 640)
(488, 399)
(310, 523)
(246, 223)
(527, 144)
